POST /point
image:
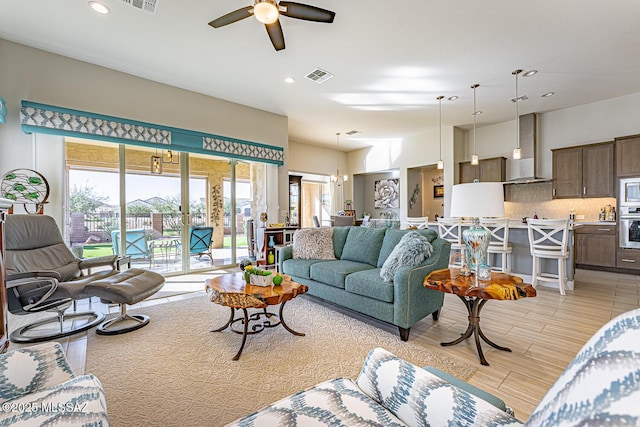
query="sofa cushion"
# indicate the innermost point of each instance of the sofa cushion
(313, 243)
(363, 245)
(601, 385)
(369, 283)
(339, 238)
(299, 267)
(334, 272)
(337, 402)
(412, 249)
(23, 371)
(392, 238)
(77, 402)
(419, 398)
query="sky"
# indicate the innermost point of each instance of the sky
(144, 186)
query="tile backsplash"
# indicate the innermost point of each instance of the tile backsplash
(525, 200)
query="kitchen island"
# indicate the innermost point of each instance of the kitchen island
(521, 259)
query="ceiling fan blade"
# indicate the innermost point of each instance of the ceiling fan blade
(306, 12)
(275, 34)
(232, 17)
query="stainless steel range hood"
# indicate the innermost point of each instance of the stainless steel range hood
(523, 171)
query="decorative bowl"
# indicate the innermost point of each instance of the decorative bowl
(258, 280)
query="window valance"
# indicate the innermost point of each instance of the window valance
(49, 119)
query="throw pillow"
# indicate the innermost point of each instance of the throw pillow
(412, 249)
(313, 243)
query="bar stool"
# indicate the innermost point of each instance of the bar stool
(548, 238)
(420, 222)
(499, 243)
(450, 229)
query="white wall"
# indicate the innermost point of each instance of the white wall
(35, 75)
(419, 150)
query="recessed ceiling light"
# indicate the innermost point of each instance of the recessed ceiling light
(99, 7)
(289, 79)
(452, 98)
(530, 73)
(548, 94)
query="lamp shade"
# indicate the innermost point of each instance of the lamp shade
(477, 200)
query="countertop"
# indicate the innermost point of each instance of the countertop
(517, 223)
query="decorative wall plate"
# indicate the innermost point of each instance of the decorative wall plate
(25, 186)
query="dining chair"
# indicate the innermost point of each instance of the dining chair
(548, 238)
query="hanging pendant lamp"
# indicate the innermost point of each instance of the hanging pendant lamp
(440, 162)
(474, 157)
(517, 153)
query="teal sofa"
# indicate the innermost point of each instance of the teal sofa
(353, 279)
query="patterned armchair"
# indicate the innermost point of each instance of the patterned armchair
(601, 386)
(38, 387)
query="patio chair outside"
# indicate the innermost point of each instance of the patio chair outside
(200, 238)
(136, 244)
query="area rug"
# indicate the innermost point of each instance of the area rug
(175, 372)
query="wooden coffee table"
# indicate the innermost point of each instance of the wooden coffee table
(232, 291)
(475, 295)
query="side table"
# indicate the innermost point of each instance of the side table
(474, 295)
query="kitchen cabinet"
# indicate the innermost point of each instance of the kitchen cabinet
(628, 156)
(295, 205)
(487, 170)
(628, 259)
(596, 245)
(584, 171)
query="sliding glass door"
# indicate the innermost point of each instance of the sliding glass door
(180, 212)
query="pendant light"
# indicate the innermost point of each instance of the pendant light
(474, 158)
(337, 178)
(440, 162)
(517, 154)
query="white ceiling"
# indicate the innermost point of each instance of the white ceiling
(391, 59)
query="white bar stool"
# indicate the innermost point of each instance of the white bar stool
(499, 243)
(548, 238)
(420, 222)
(450, 229)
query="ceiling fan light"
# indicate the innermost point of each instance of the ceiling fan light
(475, 160)
(265, 11)
(440, 164)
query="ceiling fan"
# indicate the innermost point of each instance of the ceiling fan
(267, 12)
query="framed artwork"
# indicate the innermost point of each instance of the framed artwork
(386, 194)
(438, 191)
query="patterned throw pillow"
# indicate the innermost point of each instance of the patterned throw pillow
(313, 243)
(412, 249)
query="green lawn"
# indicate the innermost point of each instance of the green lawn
(102, 249)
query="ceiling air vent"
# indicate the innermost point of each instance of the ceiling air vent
(319, 76)
(146, 5)
(352, 132)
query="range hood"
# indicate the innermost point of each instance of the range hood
(523, 171)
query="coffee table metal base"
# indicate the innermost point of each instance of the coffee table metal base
(259, 322)
(474, 306)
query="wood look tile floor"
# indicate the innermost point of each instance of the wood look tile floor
(544, 333)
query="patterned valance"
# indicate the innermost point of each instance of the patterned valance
(41, 118)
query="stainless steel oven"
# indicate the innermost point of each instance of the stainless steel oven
(629, 227)
(629, 189)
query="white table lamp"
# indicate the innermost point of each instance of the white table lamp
(477, 200)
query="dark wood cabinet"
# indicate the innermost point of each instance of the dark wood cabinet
(596, 245)
(4, 340)
(295, 202)
(584, 171)
(628, 156)
(628, 259)
(487, 170)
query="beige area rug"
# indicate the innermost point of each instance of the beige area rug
(174, 372)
